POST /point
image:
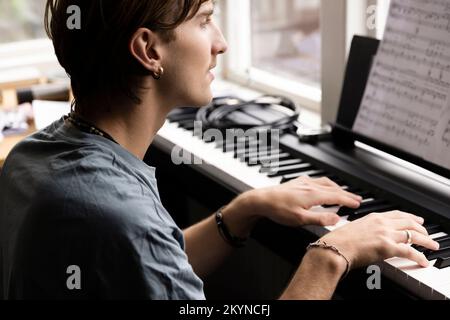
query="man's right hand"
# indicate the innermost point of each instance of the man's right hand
(380, 236)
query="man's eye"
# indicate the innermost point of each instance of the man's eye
(207, 21)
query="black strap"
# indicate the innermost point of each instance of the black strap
(232, 240)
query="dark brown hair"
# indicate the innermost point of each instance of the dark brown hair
(96, 56)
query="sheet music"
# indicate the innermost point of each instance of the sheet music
(407, 99)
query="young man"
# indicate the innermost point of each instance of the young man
(77, 197)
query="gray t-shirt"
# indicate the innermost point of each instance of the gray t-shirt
(78, 210)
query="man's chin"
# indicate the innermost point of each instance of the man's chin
(199, 100)
(202, 101)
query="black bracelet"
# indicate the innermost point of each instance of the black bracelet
(232, 240)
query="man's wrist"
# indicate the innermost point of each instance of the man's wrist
(331, 262)
(317, 276)
(241, 214)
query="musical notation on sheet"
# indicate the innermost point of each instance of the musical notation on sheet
(446, 135)
(407, 99)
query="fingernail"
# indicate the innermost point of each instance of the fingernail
(437, 245)
(425, 261)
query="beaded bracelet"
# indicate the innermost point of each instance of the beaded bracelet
(323, 245)
(231, 239)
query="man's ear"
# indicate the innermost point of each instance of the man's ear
(144, 46)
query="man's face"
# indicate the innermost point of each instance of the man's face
(188, 60)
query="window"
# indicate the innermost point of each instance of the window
(21, 20)
(23, 41)
(275, 46)
(286, 38)
(297, 48)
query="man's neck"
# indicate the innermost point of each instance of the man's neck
(132, 126)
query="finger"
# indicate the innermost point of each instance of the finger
(407, 224)
(417, 238)
(346, 193)
(336, 198)
(326, 182)
(352, 195)
(339, 190)
(322, 218)
(408, 252)
(403, 215)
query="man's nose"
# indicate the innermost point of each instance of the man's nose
(220, 45)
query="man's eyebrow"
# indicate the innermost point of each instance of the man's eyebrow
(206, 13)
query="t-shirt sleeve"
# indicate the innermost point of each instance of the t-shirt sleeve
(141, 256)
(150, 266)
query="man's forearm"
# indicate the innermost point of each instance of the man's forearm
(317, 276)
(205, 248)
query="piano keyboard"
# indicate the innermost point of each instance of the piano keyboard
(243, 168)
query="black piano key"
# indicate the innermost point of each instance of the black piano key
(360, 213)
(317, 174)
(242, 151)
(353, 189)
(419, 248)
(293, 176)
(335, 179)
(232, 142)
(433, 228)
(250, 151)
(238, 148)
(259, 153)
(327, 206)
(255, 161)
(296, 168)
(444, 243)
(344, 211)
(442, 263)
(241, 143)
(441, 253)
(278, 164)
(363, 194)
(238, 145)
(443, 240)
(252, 148)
